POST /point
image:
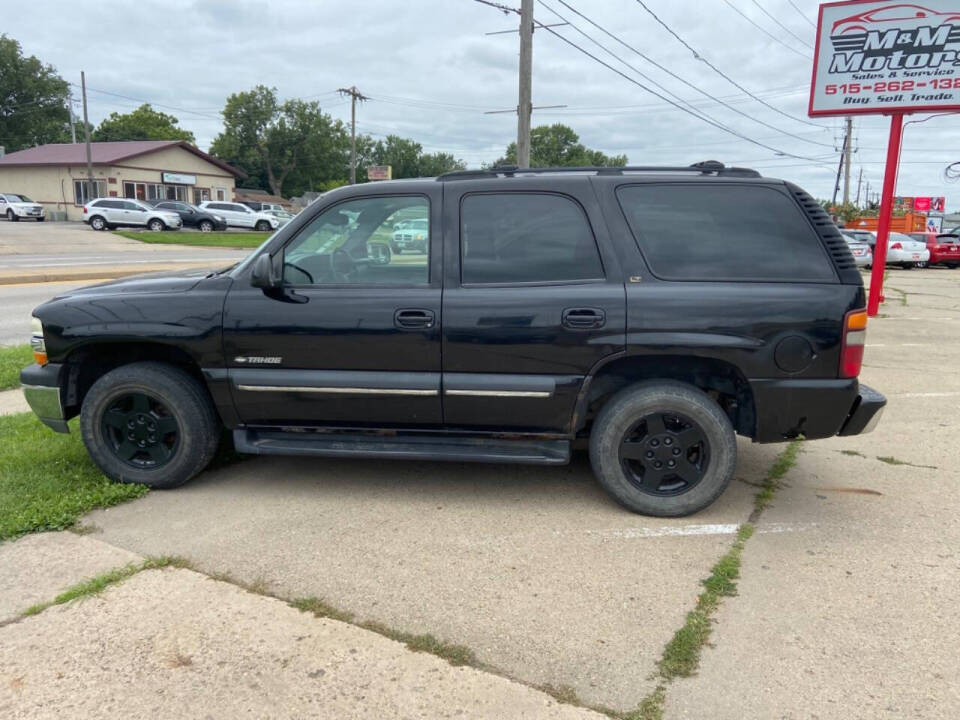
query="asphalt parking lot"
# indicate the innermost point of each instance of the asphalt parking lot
(848, 604)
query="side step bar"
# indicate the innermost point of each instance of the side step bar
(406, 447)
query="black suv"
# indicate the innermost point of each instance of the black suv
(191, 215)
(652, 314)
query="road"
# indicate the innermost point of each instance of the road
(18, 301)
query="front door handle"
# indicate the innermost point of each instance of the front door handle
(414, 318)
(580, 318)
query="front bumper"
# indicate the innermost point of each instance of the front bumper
(42, 389)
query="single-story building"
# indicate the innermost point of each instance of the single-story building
(56, 175)
(245, 195)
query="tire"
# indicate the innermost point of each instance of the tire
(396, 249)
(205, 226)
(98, 223)
(920, 265)
(175, 429)
(156, 225)
(262, 226)
(691, 422)
(41, 219)
(12, 216)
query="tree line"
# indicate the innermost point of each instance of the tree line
(286, 147)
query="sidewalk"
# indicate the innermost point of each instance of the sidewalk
(168, 642)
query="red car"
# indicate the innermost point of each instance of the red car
(944, 249)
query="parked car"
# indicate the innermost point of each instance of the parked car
(861, 251)
(904, 251)
(551, 308)
(263, 206)
(191, 215)
(861, 235)
(284, 216)
(16, 206)
(239, 215)
(108, 213)
(944, 248)
(411, 235)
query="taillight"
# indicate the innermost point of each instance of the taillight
(896, 246)
(854, 336)
(84, 209)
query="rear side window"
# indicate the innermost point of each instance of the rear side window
(717, 232)
(525, 238)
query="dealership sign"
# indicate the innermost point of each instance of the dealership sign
(179, 178)
(876, 57)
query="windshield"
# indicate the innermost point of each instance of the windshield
(18, 198)
(900, 237)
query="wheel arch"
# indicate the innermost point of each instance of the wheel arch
(720, 379)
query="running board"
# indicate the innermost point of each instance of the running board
(404, 446)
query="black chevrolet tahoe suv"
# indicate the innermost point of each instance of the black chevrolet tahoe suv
(651, 314)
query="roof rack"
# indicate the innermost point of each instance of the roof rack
(706, 167)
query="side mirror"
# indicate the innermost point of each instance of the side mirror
(263, 275)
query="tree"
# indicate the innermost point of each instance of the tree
(407, 159)
(33, 100)
(290, 145)
(144, 123)
(559, 146)
(433, 164)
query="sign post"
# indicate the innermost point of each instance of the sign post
(881, 58)
(886, 210)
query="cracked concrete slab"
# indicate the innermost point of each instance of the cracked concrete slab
(174, 643)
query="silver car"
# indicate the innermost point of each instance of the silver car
(862, 253)
(15, 206)
(904, 251)
(108, 213)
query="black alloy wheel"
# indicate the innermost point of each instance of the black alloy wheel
(140, 431)
(665, 454)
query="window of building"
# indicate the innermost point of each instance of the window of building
(200, 195)
(154, 191)
(175, 192)
(82, 194)
(369, 241)
(137, 191)
(723, 232)
(526, 237)
(221, 193)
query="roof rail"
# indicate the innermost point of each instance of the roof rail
(706, 167)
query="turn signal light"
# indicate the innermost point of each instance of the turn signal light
(854, 337)
(40, 357)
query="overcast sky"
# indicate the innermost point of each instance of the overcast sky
(431, 71)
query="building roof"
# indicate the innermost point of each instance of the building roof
(255, 195)
(103, 153)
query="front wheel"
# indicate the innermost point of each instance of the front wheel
(156, 225)
(149, 423)
(12, 216)
(206, 226)
(262, 226)
(663, 448)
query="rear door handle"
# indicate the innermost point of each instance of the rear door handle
(580, 318)
(414, 318)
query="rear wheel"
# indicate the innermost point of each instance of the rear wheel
(98, 223)
(149, 423)
(663, 448)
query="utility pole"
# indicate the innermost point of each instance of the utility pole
(859, 181)
(524, 106)
(73, 127)
(355, 95)
(848, 140)
(836, 184)
(86, 133)
(867, 194)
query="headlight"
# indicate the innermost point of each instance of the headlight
(219, 218)
(37, 343)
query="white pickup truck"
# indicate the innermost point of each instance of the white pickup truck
(15, 207)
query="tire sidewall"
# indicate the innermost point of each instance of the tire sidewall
(623, 410)
(96, 221)
(206, 226)
(155, 225)
(198, 427)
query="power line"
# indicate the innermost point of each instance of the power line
(653, 92)
(781, 25)
(148, 102)
(713, 67)
(765, 32)
(701, 114)
(801, 13)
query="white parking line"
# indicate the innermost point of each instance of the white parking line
(684, 530)
(925, 395)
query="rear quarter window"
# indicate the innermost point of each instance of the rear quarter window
(723, 232)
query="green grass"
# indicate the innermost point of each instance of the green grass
(13, 359)
(47, 481)
(771, 483)
(211, 239)
(853, 453)
(99, 583)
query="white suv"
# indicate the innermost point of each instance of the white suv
(239, 215)
(16, 206)
(108, 213)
